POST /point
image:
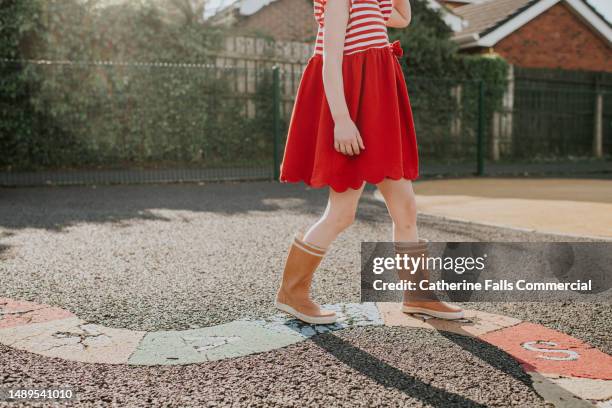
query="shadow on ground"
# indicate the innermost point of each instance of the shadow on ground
(56, 208)
(389, 376)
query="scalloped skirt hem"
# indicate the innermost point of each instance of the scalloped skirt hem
(342, 187)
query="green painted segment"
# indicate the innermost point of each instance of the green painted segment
(235, 339)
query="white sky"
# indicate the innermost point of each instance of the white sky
(212, 6)
(603, 6)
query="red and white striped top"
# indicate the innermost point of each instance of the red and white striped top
(366, 26)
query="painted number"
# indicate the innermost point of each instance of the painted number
(533, 346)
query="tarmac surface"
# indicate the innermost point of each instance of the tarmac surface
(183, 256)
(187, 256)
(361, 367)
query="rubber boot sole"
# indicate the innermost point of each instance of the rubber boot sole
(306, 318)
(434, 313)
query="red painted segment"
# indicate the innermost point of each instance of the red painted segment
(548, 351)
(15, 313)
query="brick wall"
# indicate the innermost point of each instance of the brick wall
(288, 20)
(557, 39)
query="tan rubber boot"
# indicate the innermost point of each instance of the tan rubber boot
(423, 301)
(294, 294)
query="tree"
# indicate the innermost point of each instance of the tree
(428, 48)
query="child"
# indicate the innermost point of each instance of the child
(351, 124)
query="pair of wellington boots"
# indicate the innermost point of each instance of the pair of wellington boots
(294, 294)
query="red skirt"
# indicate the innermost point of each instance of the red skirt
(378, 103)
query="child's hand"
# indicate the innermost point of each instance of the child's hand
(347, 139)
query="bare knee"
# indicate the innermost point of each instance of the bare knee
(411, 206)
(339, 221)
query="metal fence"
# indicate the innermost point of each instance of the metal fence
(554, 121)
(110, 122)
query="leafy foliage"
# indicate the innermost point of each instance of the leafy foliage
(84, 113)
(430, 52)
(444, 85)
(19, 27)
(98, 114)
(428, 49)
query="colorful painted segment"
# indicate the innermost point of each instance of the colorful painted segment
(19, 313)
(562, 367)
(234, 339)
(74, 339)
(474, 324)
(547, 351)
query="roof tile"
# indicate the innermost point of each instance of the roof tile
(484, 17)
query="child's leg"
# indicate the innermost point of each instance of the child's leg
(338, 216)
(305, 255)
(401, 203)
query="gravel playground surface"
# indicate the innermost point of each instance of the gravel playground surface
(395, 367)
(184, 256)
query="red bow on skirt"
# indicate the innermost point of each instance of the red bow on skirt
(396, 47)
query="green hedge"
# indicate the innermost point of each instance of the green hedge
(19, 28)
(83, 114)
